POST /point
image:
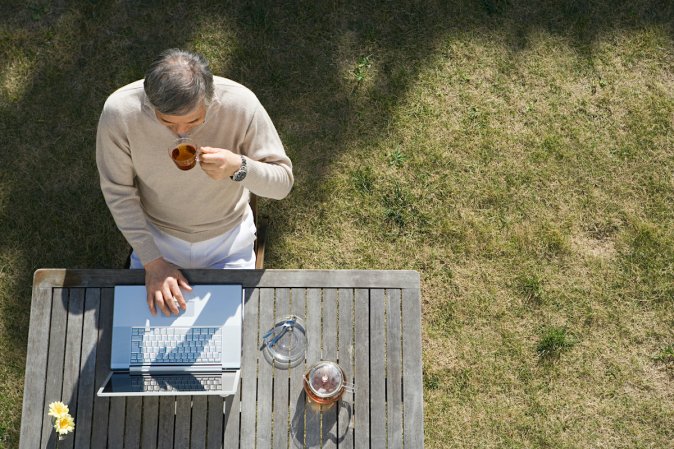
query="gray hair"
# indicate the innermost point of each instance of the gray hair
(177, 81)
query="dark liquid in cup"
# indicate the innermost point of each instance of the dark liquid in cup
(184, 155)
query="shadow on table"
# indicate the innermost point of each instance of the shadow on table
(309, 416)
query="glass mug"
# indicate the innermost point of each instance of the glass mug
(184, 153)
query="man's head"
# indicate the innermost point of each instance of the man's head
(179, 84)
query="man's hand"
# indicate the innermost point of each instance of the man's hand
(163, 282)
(219, 163)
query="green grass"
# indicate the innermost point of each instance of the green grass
(519, 155)
(553, 342)
(666, 355)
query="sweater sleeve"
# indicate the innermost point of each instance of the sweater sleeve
(115, 168)
(270, 172)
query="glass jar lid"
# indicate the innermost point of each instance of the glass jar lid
(326, 379)
(285, 344)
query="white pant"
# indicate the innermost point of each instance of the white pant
(233, 249)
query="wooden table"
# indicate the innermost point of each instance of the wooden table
(367, 321)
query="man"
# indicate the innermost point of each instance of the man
(198, 218)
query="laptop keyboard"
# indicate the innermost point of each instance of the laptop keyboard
(176, 345)
(176, 383)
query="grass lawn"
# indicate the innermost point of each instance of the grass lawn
(518, 154)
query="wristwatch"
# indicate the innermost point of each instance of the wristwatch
(241, 173)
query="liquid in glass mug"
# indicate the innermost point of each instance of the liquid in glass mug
(184, 153)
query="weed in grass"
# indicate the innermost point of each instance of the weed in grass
(553, 145)
(399, 209)
(431, 380)
(396, 158)
(476, 118)
(552, 242)
(531, 287)
(665, 356)
(362, 67)
(545, 241)
(363, 179)
(553, 342)
(646, 261)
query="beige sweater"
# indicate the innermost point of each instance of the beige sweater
(141, 184)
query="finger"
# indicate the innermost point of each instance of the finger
(159, 302)
(182, 281)
(177, 294)
(210, 158)
(170, 300)
(184, 285)
(150, 303)
(208, 165)
(210, 170)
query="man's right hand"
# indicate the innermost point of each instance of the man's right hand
(163, 282)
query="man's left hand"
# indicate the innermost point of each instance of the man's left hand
(219, 163)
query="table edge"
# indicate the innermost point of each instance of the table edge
(101, 278)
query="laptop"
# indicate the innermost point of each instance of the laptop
(197, 352)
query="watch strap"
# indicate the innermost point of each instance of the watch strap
(241, 173)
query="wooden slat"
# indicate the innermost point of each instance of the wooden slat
(280, 431)
(71, 364)
(57, 345)
(200, 415)
(413, 419)
(183, 421)
(165, 427)
(264, 373)
(99, 431)
(248, 278)
(34, 407)
(249, 370)
(148, 434)
(87, 374)
(116, 422)
(312, 430)
(229, 436)
(132, 422)
(232, 407)
(215, 419)
(297, 398)
(394, 370)
(345, 352)
(330, 318)
(362, 369)
(377, 369)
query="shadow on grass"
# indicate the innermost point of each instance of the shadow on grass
(303, 59)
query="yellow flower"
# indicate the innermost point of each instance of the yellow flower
(64, 424)
(58, 409)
